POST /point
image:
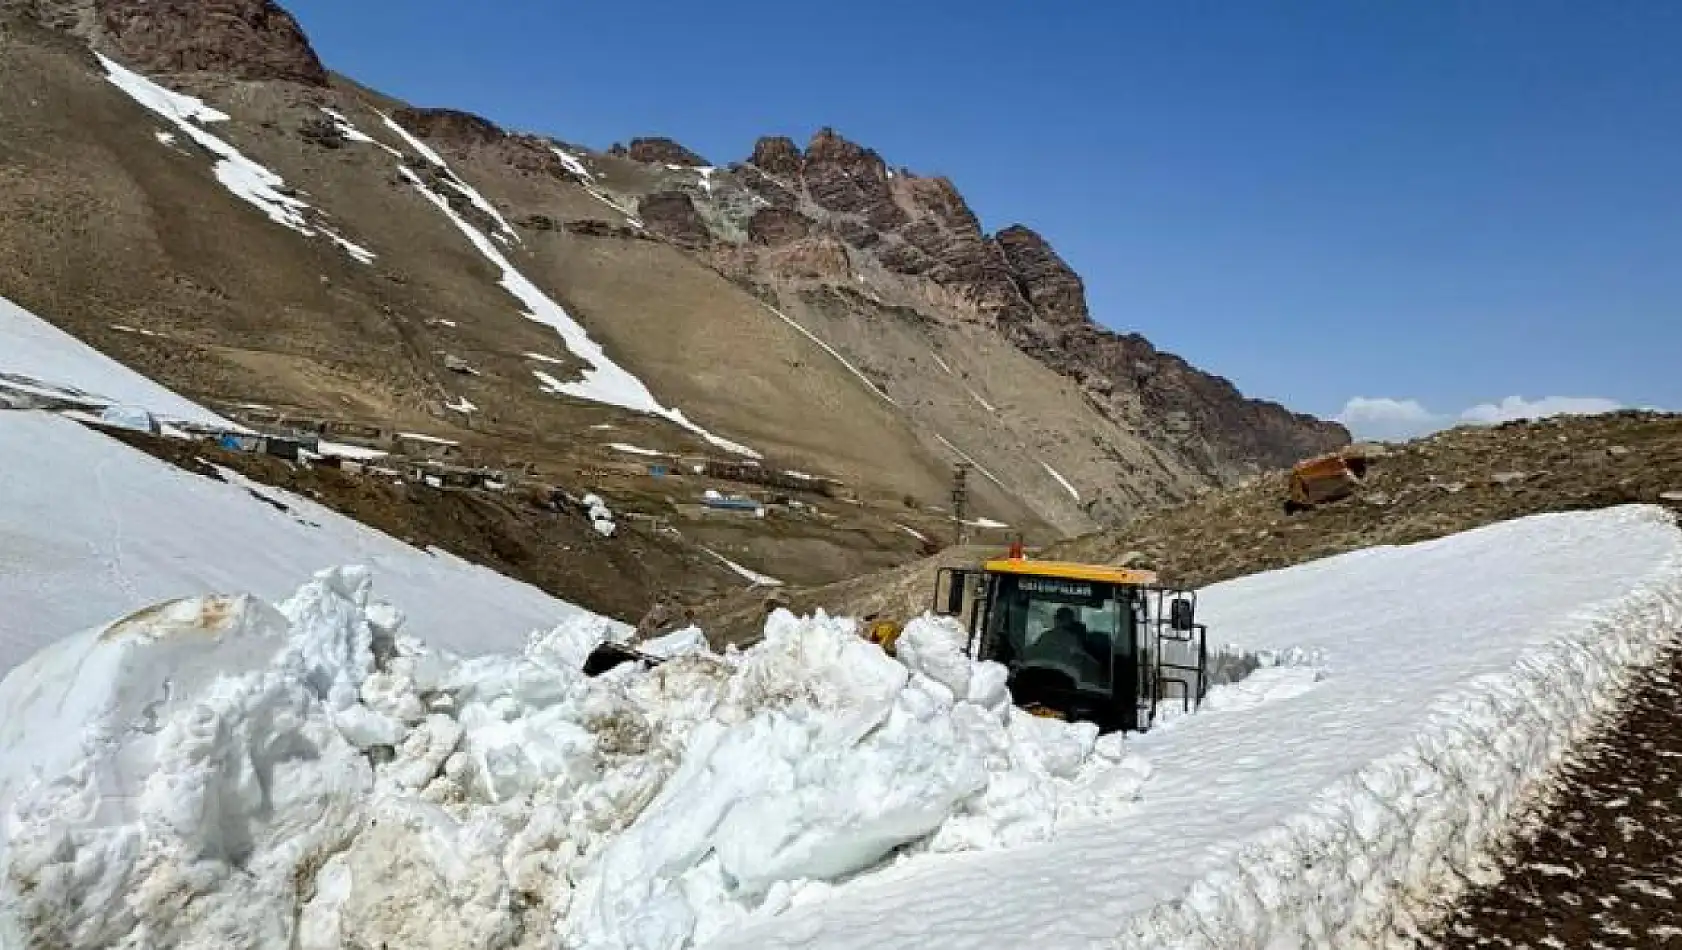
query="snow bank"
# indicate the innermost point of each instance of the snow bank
(91, 529)
(1329, 800)
(56, 363)
(224, 773)
(244, 178)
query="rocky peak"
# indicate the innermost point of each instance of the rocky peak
(238, 39)
(672, 215)
(449, 126)
(846, 178)
(663, 151)
(777, 155)
(1050, 284)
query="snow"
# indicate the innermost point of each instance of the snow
(982, 402)
(354, 134)
(346, 450)
(164, 138)
(462, 405)
(601, 516)
(223, 772)
(422, 437)
(1054, 473)
(572, 163)
(450, 177)
(54, 362)
(603, 381)
(246, 179)
(965, 456)
(91, 529)
(986, 523)
(1320, 804)
(911, 531)
(754, 578)
(546, 359)
(635, 449)
(942, 363)
(809, 791)
(832, 352)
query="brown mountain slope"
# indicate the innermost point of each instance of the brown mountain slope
(1451, 482)
(831, 317)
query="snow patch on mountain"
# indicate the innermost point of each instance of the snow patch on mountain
(247, 180)
(603, 381)
(1067, 486)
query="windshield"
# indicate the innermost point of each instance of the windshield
(1064, 633)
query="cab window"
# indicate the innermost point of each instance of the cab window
(1061, 631)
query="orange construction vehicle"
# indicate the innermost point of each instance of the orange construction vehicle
(1324, 478)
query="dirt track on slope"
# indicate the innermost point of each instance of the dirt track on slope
(1601, 866)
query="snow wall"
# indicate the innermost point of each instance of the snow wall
(1374, 856)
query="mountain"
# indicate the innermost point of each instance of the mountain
(205, 201)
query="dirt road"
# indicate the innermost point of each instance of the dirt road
(1604, 870)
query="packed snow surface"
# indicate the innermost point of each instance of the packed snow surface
(91, 529)
(1419, 691)
(247, 180)
(56, 363)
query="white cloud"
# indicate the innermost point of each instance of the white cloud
(1389, 420)
(1397, 420)
(1517, 407)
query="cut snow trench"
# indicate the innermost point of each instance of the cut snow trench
(708, 801)
(603, 380)
(244, 178)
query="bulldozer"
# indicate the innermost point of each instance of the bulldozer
(1082, 642)
(1324, 478)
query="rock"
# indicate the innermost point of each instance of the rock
(1508, 478)
(1377, 498)
(663, 151)
(672, 215)
(1617, 451)
(1053, 288)
(538, 222)
(846, 178)
(776, 225)
(595, 227)
(449, 127)
(777, 155)
(322, 133)
(1675, 496)
(236, 39)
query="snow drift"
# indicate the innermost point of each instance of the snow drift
(217, 772)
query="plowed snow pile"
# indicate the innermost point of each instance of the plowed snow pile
(217, 772)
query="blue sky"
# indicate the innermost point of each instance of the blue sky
(1430, 205)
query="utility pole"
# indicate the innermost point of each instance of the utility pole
(960, 502)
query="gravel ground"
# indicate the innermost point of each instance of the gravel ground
(1601, 867)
